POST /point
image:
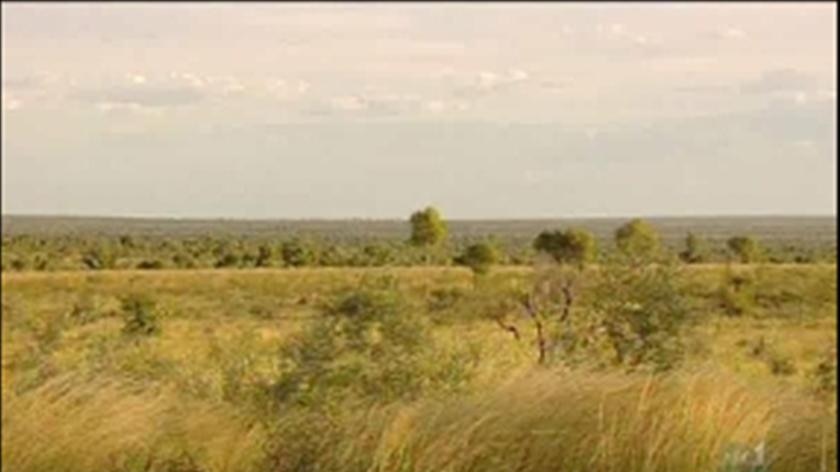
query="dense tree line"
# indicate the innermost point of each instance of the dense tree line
(428, 243)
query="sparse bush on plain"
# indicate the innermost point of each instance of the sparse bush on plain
(368, 343)
(637, 238)
(745, 248)
(571, 246)
(695, 250)
(140, 315)
(479, 257)
(296, 253)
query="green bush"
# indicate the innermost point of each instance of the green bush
(637, 238)
(737, 292)
(824, 374)
(444, 298)
(368, 343)
(150, 264)
(100, 257)
(140, 316)
(745, 248)
(571, 246)
(296, 253)
(479, 257)
(640, 313)
(695, 250)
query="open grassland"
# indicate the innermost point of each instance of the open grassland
(205, 385)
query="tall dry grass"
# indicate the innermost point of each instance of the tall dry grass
(74, 425)
(575, 422)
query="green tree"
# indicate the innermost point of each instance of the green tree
(427, 227)
(695, 250)
(745, 248)
(479, 257)
(99, 257)
(571, 246)
(297, 254)
(229, 259)
(637, 238)
(265, 254)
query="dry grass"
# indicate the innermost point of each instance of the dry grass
(69, 424)
(578, 422)
(78, 397)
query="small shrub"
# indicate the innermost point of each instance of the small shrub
(369, 343)
(228, 260)
(695, 250)
(85, 309)
(736, 293)
(150, 264)
(296, 253)
(99, 258)
(745, 248)
(479, 258)
(780, 364)
(824, 375)
(183, 261)
(641, 312)
(140, 315)
(444, 298)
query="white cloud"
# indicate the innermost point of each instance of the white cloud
(378, 104)
(227, 85)
(442, 106)
(137, 78)
(610, 30)
(349, 103)
(730, 33)
(128, 108)
(489, 81)
(517, 75)
(145, 93)
(282, 89)
(618, 34)
(11, 103)
(189, 79)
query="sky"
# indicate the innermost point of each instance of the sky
(486, 110)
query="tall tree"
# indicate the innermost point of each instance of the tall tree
(571, 246)
(427, 227)
(695, 249)
(637, 238)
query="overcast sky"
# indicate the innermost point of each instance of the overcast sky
(485, 110)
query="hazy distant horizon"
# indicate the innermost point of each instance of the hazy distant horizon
(370, 111)
(405, 217)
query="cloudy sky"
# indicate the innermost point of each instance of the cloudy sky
(372, 110)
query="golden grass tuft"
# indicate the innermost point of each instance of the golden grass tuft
(69, 424)
(579, 422)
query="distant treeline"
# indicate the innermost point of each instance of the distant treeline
(93, 245)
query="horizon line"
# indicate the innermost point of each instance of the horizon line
(374, 219)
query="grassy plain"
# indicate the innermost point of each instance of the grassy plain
(79, 394)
